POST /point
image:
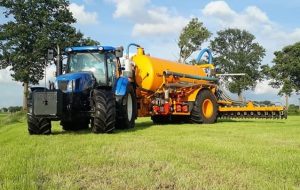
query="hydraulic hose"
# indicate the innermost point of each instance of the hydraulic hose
(128, 47)
(205, 50)
(168, 73)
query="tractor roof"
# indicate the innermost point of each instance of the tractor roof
(89, 48)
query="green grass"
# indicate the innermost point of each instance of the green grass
(3, 115)
(10, 118)
(236, 154)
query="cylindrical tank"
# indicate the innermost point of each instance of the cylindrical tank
(149, 70)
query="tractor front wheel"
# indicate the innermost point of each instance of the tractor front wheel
(104, 118)
(126, 109)
(38, 126)
(205, 108)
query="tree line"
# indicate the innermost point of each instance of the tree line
(11, 109)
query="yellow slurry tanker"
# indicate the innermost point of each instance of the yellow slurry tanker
(170, 91)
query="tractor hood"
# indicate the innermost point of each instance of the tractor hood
(75, 82)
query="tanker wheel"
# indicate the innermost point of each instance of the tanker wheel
(205, 109)
(126, 109)
(38, 126)
(75, 125)
(104, 118)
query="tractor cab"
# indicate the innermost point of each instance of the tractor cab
(89, 66)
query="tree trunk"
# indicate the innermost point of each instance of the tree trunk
(25, 95)
(287, 101)
(58, 64)
(240, 95)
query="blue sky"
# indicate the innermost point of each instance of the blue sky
(155, 24)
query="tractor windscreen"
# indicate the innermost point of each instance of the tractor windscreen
(93, 62)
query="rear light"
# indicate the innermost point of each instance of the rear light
(156, 108)
(167, 107)
(178, 108)
(185, 108)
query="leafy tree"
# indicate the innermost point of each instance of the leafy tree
(87, 42)
(293, 109)
(33, 27)
(13, 109)
(285, 73)
(191, 38)
(4, 109)
(264, 103)
(236, 52)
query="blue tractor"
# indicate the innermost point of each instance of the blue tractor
(90, 91)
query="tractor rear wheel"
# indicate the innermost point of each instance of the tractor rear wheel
(205, 108)
(104, 118)
(126, 109)
(38, 126)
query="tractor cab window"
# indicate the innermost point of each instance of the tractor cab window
(111, 67)
(93, 62)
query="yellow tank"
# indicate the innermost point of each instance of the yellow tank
(149, 70)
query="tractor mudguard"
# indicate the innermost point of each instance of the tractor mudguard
(121, 86)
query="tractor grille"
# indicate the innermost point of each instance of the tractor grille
(62, 85)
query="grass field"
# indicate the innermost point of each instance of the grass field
(236, 154)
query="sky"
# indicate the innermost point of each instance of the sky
(156, 25)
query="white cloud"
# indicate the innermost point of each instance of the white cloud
(5, 76)
(252, 18)
(257, 14)
(263, 87)
(160, 22)
(129, 8)
(82, 16)
(148, 19)
(219, 9)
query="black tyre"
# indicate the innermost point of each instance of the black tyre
(38, 126)
(75, 125)
(126, 109)
(104, 118)
(205, 108)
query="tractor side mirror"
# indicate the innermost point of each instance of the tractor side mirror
(50, 54)
(119, 51)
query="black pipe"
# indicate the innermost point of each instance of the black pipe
(168, 73)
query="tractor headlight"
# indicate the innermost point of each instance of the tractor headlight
(71, 86)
